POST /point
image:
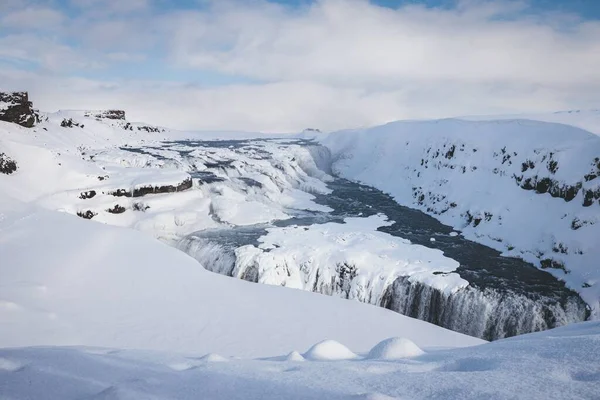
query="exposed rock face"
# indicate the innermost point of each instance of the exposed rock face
(150, 129)
(15, 107)
(87, 195)
(117, 209)
(107, 114)
(89, 214)
(69, 123)
(142, 191)
(7, 164)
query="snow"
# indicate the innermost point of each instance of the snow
(465, 173)
(584, 119)
(395, 349)
(101, 309)
(83, 283)
(329, 350)
(295, 356)
(308, 257)
(57, 165)
(559, 364)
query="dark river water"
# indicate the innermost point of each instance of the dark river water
(505, 297)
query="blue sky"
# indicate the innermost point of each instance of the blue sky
(235, 64)
(589, 9)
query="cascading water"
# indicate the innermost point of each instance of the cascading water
(488, 313)
(213, 256)
(505, 296)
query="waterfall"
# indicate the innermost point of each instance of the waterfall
(485, 313)
(507, 298)
(212, 256)
(488, 314)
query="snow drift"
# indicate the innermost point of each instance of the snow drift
(558, 364)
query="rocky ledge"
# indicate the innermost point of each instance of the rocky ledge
(15, 107)
(107, 114)
(7, 164)
(144, 190)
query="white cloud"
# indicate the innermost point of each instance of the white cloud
(32, 18)
(46, 52)
(112, 6)
(354, 42)
(332, 64)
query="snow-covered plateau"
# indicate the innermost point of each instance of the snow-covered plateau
(97, 214)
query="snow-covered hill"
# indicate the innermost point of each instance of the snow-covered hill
(530, 189)
(588, 120)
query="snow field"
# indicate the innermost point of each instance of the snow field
(558, 364)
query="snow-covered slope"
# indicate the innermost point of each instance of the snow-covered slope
(67, 281)
(560, 364)
(530, 189)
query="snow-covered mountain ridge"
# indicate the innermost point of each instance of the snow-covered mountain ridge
(530, 189)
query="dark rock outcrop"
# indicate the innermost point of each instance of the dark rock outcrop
(144, 190)
(150, 129)
(89, 214)
(87, 195)
(117, 209)
(140, 207)
(15, 107)
(7, 164)
(107, 114)
(69, 123)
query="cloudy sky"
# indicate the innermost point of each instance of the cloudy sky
(291, 64)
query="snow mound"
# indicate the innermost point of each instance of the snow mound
(395, 349)
(294, 356)
(329, 350)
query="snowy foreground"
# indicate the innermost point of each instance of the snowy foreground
(558, 364)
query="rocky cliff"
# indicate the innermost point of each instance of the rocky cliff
(15, 107)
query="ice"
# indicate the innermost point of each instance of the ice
(351, 260)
